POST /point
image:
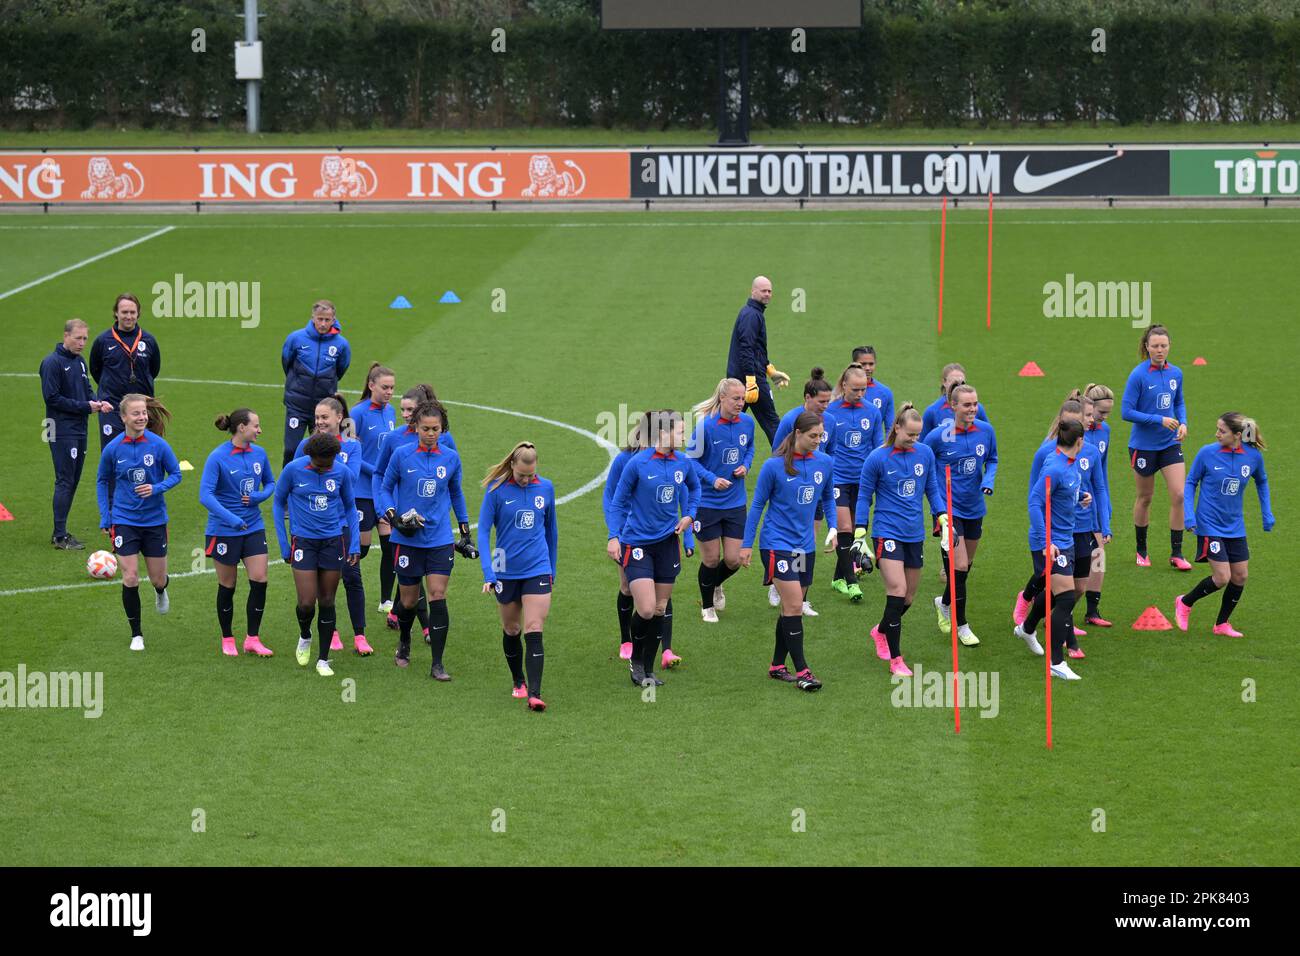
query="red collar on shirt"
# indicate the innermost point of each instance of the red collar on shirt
(962, 431)
(1068, 459)
(802, 457)
(1157, 368)
(511, 481)
(851, 405)
(901, 451)
(1094, 426)
(728, 421)
(1233, 451)
(435, 450)
(671, 456)
(236, 450)
(409, 430)
(375, 406)
(128, 440)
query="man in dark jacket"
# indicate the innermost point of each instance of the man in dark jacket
(747, 359)
(66, 390)
(314, 358)
(124, 360)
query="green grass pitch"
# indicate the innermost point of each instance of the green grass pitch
(636, 308)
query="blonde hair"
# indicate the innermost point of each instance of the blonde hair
(498, 474)
(323, 305)
(158, 414)
(957, 389)
(906, 414)
(1246, 427)
(1073, 405)
(72, 325)
(713, 403)
(1097, 393)
(943, 376)
(844, 376)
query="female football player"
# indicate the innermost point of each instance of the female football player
(1096, 432)
(373, 418)
(855, 428)
(623, 604)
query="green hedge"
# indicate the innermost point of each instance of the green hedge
(969, 66)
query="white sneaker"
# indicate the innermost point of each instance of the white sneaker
(966, 635)
(709, 614)
(773, 596)
(323, 668)
(162, 601)
(303, 653)
(943, 611)
(1029, 639)
(137, 643)
(1063, 671)
(719, 599)
(386, 607)
(808, 610)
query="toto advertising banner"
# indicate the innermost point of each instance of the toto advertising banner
(827, 174)
(1234, 172)
(313, 175)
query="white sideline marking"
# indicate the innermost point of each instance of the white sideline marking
(596, 482)
(86, 262)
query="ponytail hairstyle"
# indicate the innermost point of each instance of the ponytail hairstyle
(943, 376)
(320, 445)
(1150, 331)
(502, 471)
(429, 409)
(653, 424)
(1246, 427)
(338, 405)
(862, 350)
(420, 394)
(805, 421)
(232, 422)
(376, 372)
(816, 384)
(1069, 433)
(950, 392)
(907, 413)
(713, 403)
(1073, 405)
(844, 376)
(959, 389)
(636, 437)
(1097, 393)
(159, 416)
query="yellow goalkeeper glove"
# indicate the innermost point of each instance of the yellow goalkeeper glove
(779, 378)
(751, 390)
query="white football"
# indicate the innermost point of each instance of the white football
(102, 564)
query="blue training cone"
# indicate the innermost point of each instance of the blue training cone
(449, 296)
(401, 303)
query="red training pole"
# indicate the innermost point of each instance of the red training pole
(943, 235)
(952, 606)
(988, 302)
(1047, 572)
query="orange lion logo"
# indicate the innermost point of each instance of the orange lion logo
(106, 183)
(545, 181)
(341, 177)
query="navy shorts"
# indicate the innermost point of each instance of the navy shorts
(1147, 463)
(1085, 542)
(846, 496)
(1213, 547)
(660, 560)
(714, 523)
(318, 554)
(1064, 562)
(412, 563)
(513, 590)
(971, 529)
(911, 553)
(787, 566)
(231, 549)
(366, 513)
(151, 541)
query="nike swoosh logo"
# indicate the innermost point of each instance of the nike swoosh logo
(1151, 386)
(792, 478)
(110, 348)
(1027, 182)
(537, 655)
(234, 471)
(301, 485)
(371, 428)
(410, 471)
(676, 566)
(67, 368)
(512, 501)
(718, 442)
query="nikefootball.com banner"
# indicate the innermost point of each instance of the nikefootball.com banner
(817, 174)
(313, 175)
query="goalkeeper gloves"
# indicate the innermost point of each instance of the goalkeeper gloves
(779, 378)
(941, 530)
(861, 550)
(409, 523)
(751, 390)
(464, 546)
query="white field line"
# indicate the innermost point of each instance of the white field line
(593, 484)
(85, 262)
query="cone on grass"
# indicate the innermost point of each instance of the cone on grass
(1152, 620)
(1031, 370)
(1199, 361)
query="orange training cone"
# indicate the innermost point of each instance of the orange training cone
(1031, 370)
(1152, 620)
(4, 514)
(1199, 361)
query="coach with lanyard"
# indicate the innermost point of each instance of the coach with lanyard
(124, 360)
(747, 359)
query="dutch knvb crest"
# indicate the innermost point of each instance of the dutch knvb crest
(441, 472)
(637, 554)
(404, 561)
(890, 545)
(817, 477)
(677, 477)
(221, 548)
(979, 450)
(1061, 560)
(297, 554)
(1214, 547)
(330, 484)
(148, 460)
(257, 467)
(919, 469)
(783, 566)
(539, 502)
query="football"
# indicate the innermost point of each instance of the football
(102, 564)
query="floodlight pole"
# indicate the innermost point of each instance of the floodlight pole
(254, 86)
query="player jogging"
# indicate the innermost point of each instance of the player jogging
(1221, 469)
(236, 480)
(940, 412)
(520, 504)
(855, 429)
(970, 449)
(1155, 404)
(623, 603)
(790, 486)
(372, 418)
(1096, 432)
(877, 393)
(138, 468)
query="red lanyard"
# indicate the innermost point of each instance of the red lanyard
(130, 352)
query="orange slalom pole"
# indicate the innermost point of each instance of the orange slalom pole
(952, 606)
(1047, 597)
